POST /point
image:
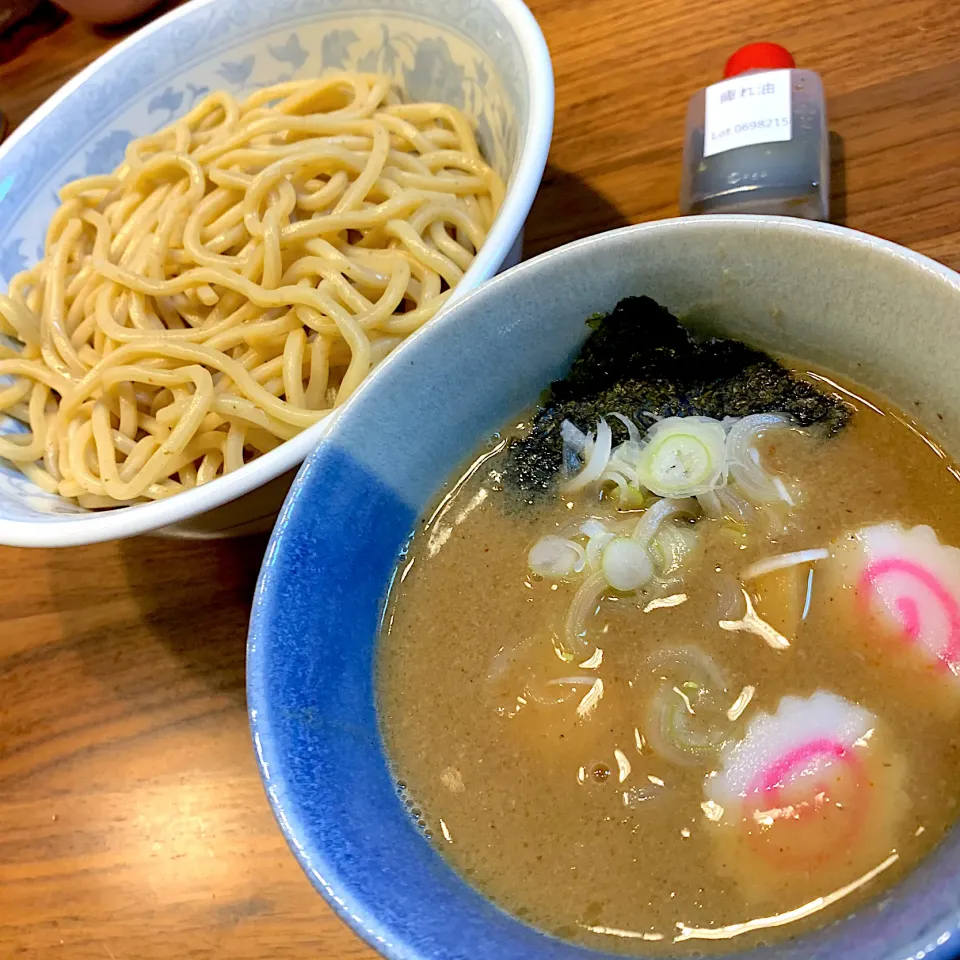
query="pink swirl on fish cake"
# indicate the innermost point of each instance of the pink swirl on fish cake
(770, 781)
(909, 607)
(783, 772)
(812, 790)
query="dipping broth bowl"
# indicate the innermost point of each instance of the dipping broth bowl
(862, 306)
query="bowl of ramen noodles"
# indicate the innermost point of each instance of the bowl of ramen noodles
(215, 233)
(637, 632)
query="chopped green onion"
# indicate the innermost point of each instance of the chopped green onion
(686, 728)
(686, 720)
(628, 497)
(756, 483)
(585, 601)
(673, 546)
(597, 453)
(598, 536)
(684, 457)
(556, 557)
(649, 524)
(626, 564)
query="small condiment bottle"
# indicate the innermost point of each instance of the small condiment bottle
(757, 141)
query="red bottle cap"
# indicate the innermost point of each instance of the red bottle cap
(759, 56)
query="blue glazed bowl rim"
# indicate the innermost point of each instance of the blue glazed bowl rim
(322, 868)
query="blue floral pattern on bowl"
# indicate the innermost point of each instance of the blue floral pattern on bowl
(460, 51)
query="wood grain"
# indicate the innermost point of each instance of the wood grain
(132, 821)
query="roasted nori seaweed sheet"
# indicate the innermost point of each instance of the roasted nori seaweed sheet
(641, 360)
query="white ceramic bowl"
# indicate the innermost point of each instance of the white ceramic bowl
(486, 56)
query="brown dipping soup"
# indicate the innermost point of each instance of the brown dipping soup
(728, 755)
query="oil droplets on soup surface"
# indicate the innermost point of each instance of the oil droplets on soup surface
(708, 682)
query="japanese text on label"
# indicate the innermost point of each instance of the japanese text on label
(745, 110)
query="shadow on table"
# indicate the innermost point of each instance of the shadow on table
(117, 31)
(154, 620)
(566, 209)
(42, 21)
(194, 597)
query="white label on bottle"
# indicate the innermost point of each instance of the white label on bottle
(752, 108)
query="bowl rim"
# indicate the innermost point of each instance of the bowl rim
(128, 521)
(314, 859)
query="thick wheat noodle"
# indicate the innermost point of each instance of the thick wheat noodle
(233, 280)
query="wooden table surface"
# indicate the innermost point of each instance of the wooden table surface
(132, 821)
